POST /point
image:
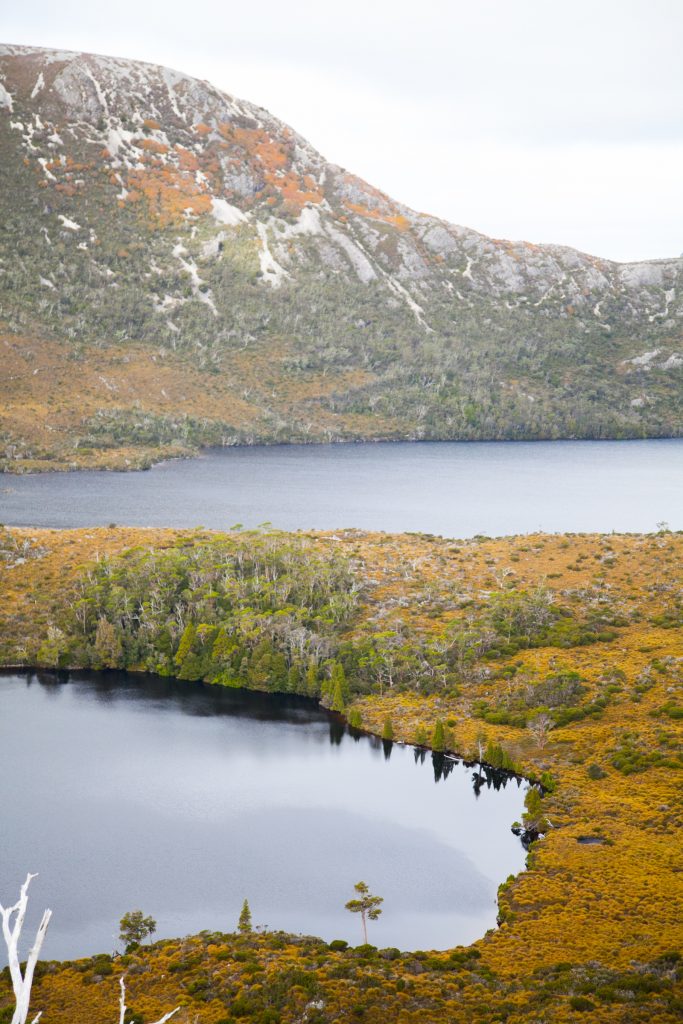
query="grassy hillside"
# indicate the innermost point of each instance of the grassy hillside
(559, 655)
(179, 268)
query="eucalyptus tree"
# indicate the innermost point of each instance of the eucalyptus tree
(135, 927)
(367, 905)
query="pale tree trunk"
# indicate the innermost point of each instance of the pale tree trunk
(122, 1006)
(21, 984)
(11, 931)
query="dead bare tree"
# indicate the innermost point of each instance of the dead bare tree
(21, 983)
(11, 930)
(539, 728)
(123, 1007)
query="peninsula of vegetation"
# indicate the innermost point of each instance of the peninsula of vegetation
(560, 657)
(180, 269)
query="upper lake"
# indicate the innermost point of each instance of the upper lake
(455, 489)
(184, 799)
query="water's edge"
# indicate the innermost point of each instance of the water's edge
(489, 774)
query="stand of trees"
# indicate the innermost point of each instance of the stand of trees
(281, 612)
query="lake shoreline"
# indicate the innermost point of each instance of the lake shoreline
(141, 675)
(146, 460)
(610, 757)
(240, 768)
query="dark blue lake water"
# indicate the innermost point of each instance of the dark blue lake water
(455, 489)
(182, 800)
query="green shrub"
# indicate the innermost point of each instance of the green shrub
(355, 719)
(581, 1004)
(390, 953)
(366, 950)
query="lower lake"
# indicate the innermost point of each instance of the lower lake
(456, 489)
(183, 800)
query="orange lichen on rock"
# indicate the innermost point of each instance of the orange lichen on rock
(272, 160)
(151, 145)
(297, 191)
(167, 193)
(187, 161)
(259, 144)
(376, 205)
(397, 219)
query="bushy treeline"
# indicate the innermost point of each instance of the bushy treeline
(255, 610)
(283, 612)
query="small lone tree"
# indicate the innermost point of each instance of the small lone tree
(367, 905)
(420, 738)
(355, 719)
(439, 737)
(338, 703)
(244, 923)
(312, 683)
(534, 818)
(134, 927)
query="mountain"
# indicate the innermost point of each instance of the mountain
(178, 268)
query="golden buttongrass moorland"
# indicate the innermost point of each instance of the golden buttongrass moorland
(560, 656)
(136, 405)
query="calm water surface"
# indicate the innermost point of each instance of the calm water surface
(450, 488)
(183, 800)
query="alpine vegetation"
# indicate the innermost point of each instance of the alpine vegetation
(209, 278)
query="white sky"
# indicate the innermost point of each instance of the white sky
(553, 122)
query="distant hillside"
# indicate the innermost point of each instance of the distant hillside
(178, 268)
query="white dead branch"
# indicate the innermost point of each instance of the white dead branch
(11, 931)
(122, 1006)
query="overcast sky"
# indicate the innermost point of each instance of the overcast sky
(534, 119)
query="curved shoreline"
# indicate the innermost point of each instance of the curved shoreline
(613, 764)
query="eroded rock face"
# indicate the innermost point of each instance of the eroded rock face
(143, 159)
(78, 93)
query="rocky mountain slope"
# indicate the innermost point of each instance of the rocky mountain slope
(178, 267)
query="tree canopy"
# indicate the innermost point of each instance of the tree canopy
(135, 927)
(367, 905)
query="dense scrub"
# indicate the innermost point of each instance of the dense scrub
(219, 978)
(561, 656)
